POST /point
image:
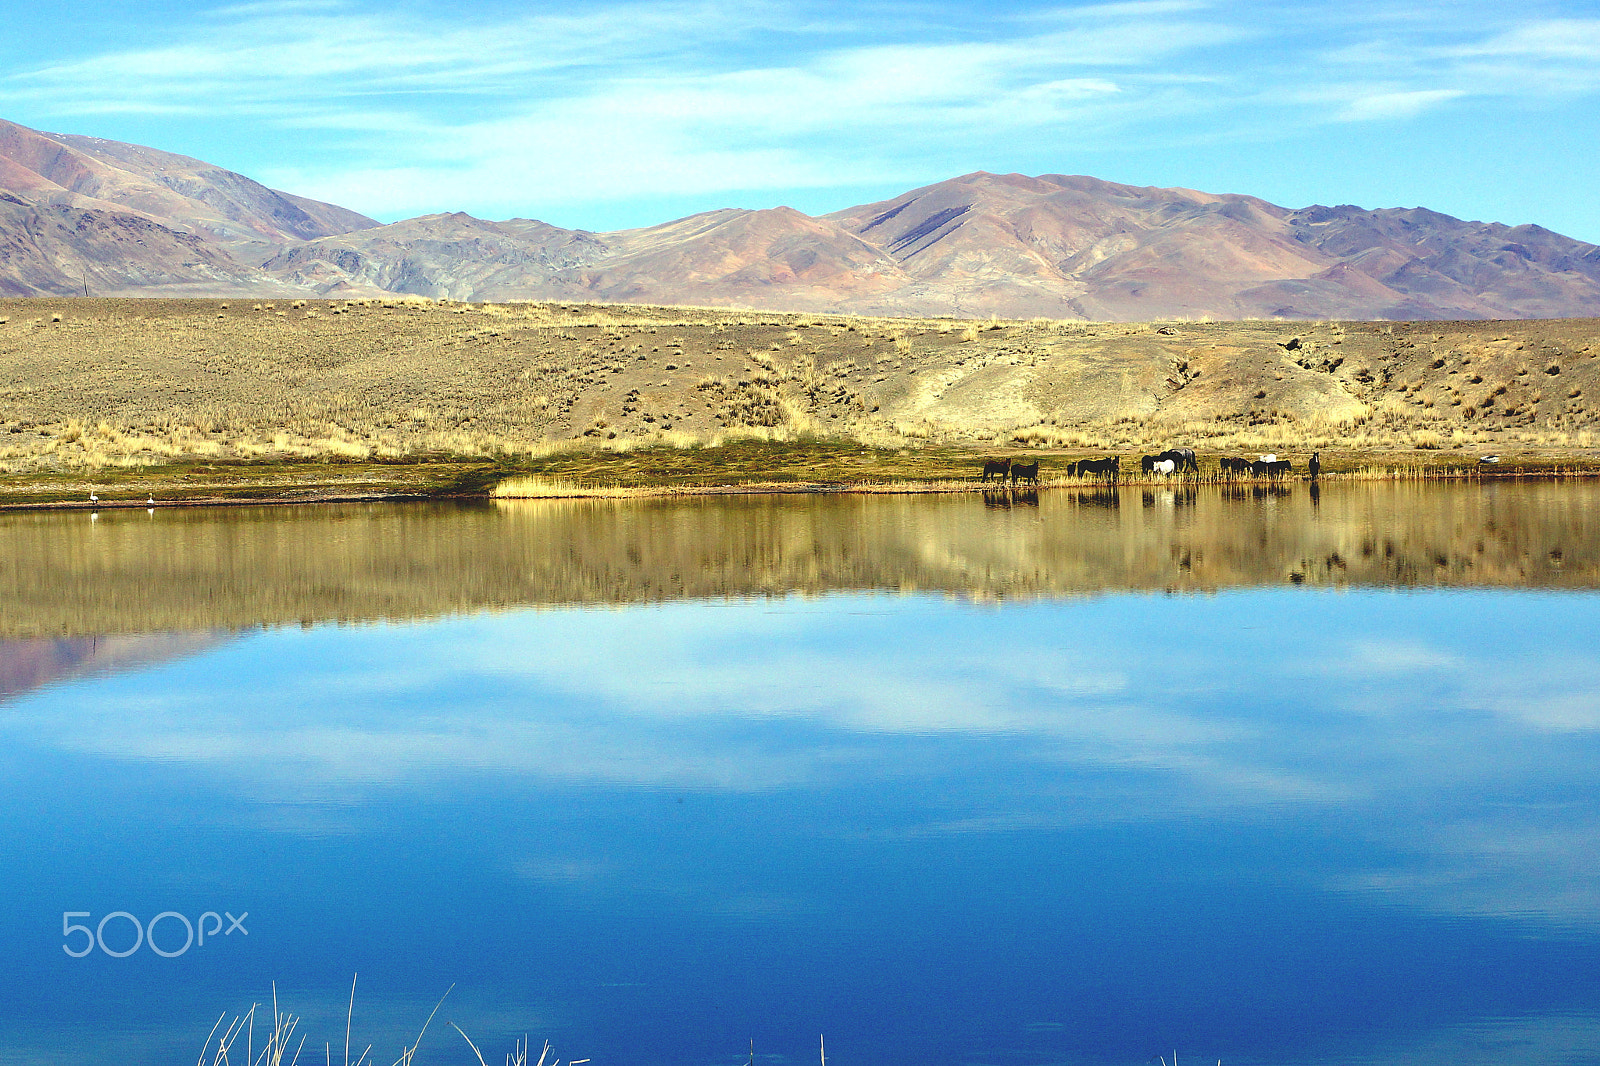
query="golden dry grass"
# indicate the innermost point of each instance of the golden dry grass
(97, 385)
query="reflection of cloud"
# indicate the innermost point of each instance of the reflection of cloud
(1471, 865)
(1402, 656)
(1376, 708)
(1537, 1040)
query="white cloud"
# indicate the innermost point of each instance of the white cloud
(1544, 39)
(1396, 105)
(419, 109)
(643, 99)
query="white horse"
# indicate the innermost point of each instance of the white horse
(1164, 467)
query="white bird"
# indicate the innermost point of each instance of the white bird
(151, 502)
(94, 500)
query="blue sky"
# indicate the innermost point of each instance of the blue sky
(604, 115)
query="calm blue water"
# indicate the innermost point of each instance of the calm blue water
(1265, 825)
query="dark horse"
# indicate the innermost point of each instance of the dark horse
(1107, 467)
(1025, 471)
(1315, 466)
(1234, 466)
(1000, 468)
(1275, 469)
(1183, 460)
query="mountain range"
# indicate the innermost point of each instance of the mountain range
(84, 215)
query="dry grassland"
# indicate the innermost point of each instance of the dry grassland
(126, 392)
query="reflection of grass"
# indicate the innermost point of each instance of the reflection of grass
(215, 569)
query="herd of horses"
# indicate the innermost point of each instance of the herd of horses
(1177, 461)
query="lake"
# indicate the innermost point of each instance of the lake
(1263, 776)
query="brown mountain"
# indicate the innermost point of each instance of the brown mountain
(183, 194)
(129, 219)
(1062, 247)
(1078, 246)
(778, 258)
(1016, 246)
(53, 249)
(447, 255)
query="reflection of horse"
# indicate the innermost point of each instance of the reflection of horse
(1101, 498)
(1000, 498)
(1000, 468)
(1026, 498)
(1107, 467)
(1025, 472)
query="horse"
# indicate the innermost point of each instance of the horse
(1109, 466)
(1164, 467)
(1025, 472)
(1315, 465)
(1001, 468)
(1147, 463)
(1230, 465)
(1182, 459)
(1279, 467)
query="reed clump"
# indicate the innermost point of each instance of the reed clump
(282, 1048)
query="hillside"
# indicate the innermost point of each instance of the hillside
(982, 244)
(92, 383)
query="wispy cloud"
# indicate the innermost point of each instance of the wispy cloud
(417, 108)
(1398, 105)
(675, 97)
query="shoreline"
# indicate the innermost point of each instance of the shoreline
(276, 485)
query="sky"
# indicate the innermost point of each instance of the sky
(604, 115)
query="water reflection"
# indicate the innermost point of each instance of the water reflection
(1265, 825)
(207, 570)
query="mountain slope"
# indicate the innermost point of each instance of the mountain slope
(1123, 252)
(53, 249)
(180, 192)
(133, 219)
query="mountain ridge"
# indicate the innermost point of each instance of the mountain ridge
(129, 220)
